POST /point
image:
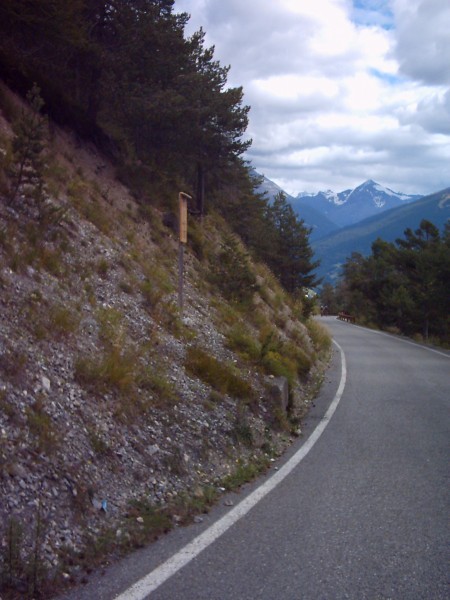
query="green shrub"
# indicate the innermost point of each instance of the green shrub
(50, 260)
(116, 369)
(41, 427)
(29, 154)
(228, 314)
(156, 285)
(280, 366)
(23, 574)
(13, 364)
(56, 172)
(163, 391)
(146, 214)
(244, 473)
(102, 267)
(99, 446)
(302, 360)
(111, 326)
(187, 505)
(215, 397)
(7, 408)
(153, 521)
(62, 320)
(231, 272)
(88, 205)
(77, 189)
(269, 340)
(320, 336)
(242, 432)
(126, 287)
(12, 563)
(152, 294)
(244, 343)
(280, 419)
(168, 315)
(222, 377)
(197, 240)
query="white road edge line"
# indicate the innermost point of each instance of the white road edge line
(142, 588)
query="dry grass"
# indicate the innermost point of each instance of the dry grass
(222, 377)
(42, 429)
(319, 335)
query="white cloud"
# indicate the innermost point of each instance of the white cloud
(340, 90)
(423, 36)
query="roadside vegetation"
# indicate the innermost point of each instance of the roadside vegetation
(402, 287)
(120, 415)
(105, 380)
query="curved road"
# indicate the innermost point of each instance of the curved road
(362, 513)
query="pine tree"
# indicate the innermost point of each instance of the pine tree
(403, 284)
(232, 273)
(420, 260)
(28, 146)
(290, 255)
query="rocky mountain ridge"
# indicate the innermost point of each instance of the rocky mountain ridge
(328, 211)
(351, 206)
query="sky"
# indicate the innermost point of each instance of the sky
(340, 91)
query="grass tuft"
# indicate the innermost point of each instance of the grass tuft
(244, 343)
(244, 473)
(41, 427)
(220, 376)
(320, 336)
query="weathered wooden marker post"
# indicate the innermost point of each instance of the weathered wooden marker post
(182, 230)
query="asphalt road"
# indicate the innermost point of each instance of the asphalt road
(363, 514)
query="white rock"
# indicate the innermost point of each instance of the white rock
(46, 383)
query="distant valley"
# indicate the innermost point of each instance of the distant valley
(350, 221)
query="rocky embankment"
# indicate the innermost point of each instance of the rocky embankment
(108, 434)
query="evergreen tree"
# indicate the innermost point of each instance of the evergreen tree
(289, 255)
(403, 285)
(123, 74)
(28, 152)
(420, 261)
(356, 292)
(244, 209)
(231, 271)
(328, 300)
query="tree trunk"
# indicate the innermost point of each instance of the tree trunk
(426, 328)
(200, 189)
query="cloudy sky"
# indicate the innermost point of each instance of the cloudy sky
(340, 90)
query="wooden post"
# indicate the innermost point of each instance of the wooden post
(180, 276)
(182, 222)
(182, 230)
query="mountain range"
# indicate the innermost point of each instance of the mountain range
(350, 221)
(334, 249)
(351, 206)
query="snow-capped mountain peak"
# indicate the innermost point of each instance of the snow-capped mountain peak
(331, 196)
(343, 208)
(353, 205)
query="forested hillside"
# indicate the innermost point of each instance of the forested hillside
(123, 414)
(402, 286)
(122, 75)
